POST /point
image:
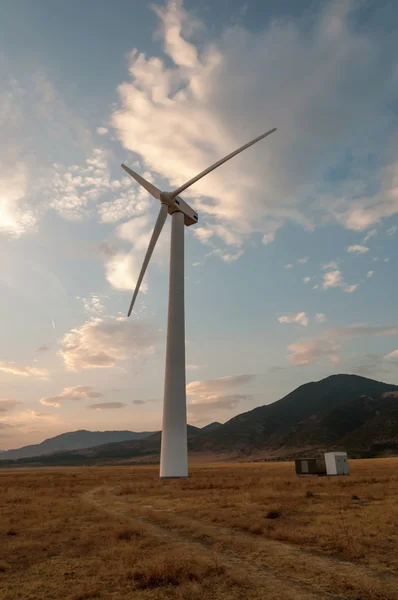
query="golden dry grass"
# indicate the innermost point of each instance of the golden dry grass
(229, 531)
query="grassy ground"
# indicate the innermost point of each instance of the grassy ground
(228, 532)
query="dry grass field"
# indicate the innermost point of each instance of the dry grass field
(248, 531)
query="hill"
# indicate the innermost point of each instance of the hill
(72, 440)
(315, 415)
(347, 412)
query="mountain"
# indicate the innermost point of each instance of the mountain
(317, 414)
(341, 412)
(119, 451)
(211, 426)
(72, 440)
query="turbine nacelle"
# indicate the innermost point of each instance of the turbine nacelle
(175, 203)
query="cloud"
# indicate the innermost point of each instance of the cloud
(369, 274)
(199, 91)
(102, 130)
(311, 351)
(392, 355)
(213, 386)
(307, 279)
(214, 402)
(357, 330)
(29, 105)
(300, 318)
(193, 367)
(369, 235)
(101, 343)
(141, 402)
(335, 279)
(122, 268)
(43, 349)
(332, 279)
(303, 260)
(70, 393)
(106, 405)
(370, 209)
(391, 230)
(7, 405)
(17, 217)
(332, 265)
(75, 188)
(327, 346)
(92, 305)
(122, 271)
(287, 267)
(128, 203)
(13, 369)
(320, 318)
(358, 249)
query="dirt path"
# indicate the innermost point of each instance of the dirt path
(284, 570)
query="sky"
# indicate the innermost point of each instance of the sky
(291, 270)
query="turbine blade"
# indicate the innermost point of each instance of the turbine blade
(218, 163)
(162, 216)
(152, 189)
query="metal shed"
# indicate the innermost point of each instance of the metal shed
(336, 463)
(310, 466)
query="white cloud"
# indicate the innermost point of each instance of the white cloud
(320, 318)
(129, 203)
(200, 94)
(393, 355)
(369, 210)
(357, 330)
(303, 260)
(214, 386)
(369, 274)
(16, 217)
(358, 249)
(102, 130)
(335, 279)
(287, 267)
(327, 346)
(369, 235)
(307, 279)
(122, 271)
(391, 230)
(92, 305)
(332, 265)
(311, 351)
(332, 279)
(70, 393)
(300, 318)
(74, 188)
(13, 369)
(101, 343)
(215, 401)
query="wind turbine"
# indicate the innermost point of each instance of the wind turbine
(174, 447)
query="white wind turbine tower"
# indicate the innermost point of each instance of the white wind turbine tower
(174, 448)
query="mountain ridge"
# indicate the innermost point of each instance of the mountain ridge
(346, 412)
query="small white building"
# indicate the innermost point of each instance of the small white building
(336, 463)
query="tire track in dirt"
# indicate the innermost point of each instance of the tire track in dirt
(286, 570)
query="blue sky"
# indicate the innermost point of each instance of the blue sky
(290, 273)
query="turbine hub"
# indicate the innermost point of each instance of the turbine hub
(165, 198)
